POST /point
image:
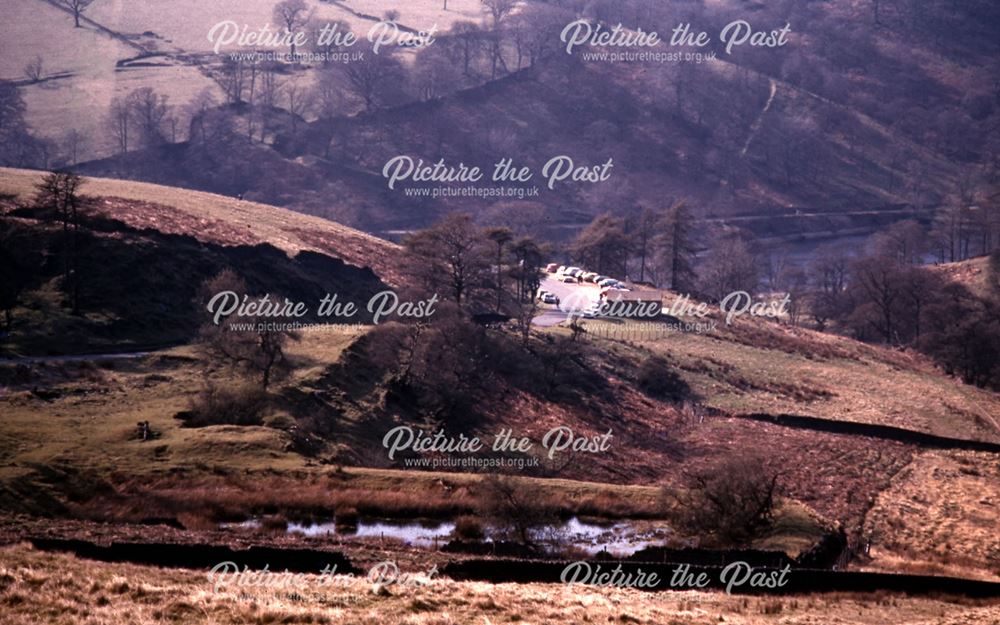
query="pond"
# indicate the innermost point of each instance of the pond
(410, 533)
(621, 538)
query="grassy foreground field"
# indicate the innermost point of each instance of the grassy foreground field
(63, 590)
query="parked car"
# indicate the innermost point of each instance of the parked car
(561, 269)
(550, 298)
(569, 279)
(590, 276)
(607, 282)
(592, 311)
(551, 267)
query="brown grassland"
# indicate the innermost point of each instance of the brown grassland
(213, 218)
(38, 587)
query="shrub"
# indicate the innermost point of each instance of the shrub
(274, 523)
(513, 507)
(346, 517)
(468, 528)
(218, 405)
(657, 379)
(259, 351)
(732, 501)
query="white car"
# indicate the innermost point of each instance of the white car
(549, 298)
(592, 311)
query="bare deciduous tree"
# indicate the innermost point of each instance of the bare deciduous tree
(434, 74)
(468, 38)
(512, 507)
(299, 101)
(498, 11)
(451, 256)
(730, 266)
(732, 501)
(149, 113)
(196, 111)
(59, 192)
(260, 349)
(292, 15)
(77, 7)
(73, 143)
(374, 78)
(118, 122)
(828, 273)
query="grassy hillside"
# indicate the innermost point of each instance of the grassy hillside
(972, 273)
(212, 218)
(83, 458)
(770, 368)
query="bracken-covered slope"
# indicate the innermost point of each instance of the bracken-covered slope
(222, 220)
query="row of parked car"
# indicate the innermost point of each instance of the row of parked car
(575, 274)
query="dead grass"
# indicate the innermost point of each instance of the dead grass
(763, 367)
(372, 492)
(37, 587)
(940, 516)
(225, 220)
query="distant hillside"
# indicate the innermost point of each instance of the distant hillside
(859, 121)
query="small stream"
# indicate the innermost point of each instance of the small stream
(622, 538)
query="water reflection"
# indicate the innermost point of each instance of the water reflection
(621, 538)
